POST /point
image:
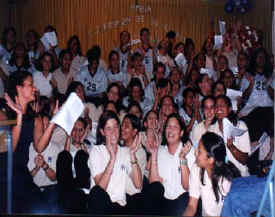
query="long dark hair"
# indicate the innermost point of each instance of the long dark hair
(39, 64)
(71, 39)
(26, 62)
(215, 147)
(184, 138)
(232, 116)
(4, 39)
(100, 139)
(253, 64)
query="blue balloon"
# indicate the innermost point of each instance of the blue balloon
(229, 7)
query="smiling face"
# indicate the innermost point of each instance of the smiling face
(111, 131)
(127, 131)
(113, 94)
(27, 90)
(66, 61)
(209, 109)
(173, 131)
(202, 158)
(151, 121)
(46, 63)
(77, 132)
(222, 109)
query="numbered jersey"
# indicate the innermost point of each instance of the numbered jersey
(148, 61)
(259, 96)
(93, 85)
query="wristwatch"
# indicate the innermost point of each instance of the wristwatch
(183, 162)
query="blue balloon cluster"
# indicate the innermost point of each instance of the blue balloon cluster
(241, 5)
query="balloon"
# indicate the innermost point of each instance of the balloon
(229, 6)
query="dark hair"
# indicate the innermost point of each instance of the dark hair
(253, 64)
(188, 42)
(215, 86)
(92, 55)
(100, 139)
(72, 88)
(156, 66)
(36, 36)
(96, 50)
(232, 116)
(171, 34)
(26, 62)
(182, 127)
(162, 83)
(225, 58)
(147, 115)
(39, 65)
(215, 147)
(135, 82)
(187, 90)
(111, 54)
(124, 31)
(135, 56)
(175, 106)
(5, 35)
(144, 30)
(135, 121)
(16, 79)
(63, 53)
(203, 50)
(205, 99)
(71, 39)
(132, 104)
(232, 75)
(83, 121)
(50, 28)
(179, 44)
(110, 102)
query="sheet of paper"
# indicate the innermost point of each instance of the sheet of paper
(52, 38)
(229, 130)
(218, 39)
(261, 142)
(45, 42)
(234, 95)
(69, 113)
(222, 27)
(180, 60)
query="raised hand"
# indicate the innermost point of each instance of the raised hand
(185, 150)
(15, 106)
(39, 161)
(136, 144)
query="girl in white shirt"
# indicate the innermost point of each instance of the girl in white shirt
(111, 165)
(43, 79)
(169, 171)
(210, 177)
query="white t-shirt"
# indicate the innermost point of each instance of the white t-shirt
(196, 133)
(43, 84)
(186, 117)
(241, 142)
(122, 169)
(121, 76)
(148, 61)
(62, 79)
(141, 160)
(50, 156)
(210, 207)
(170, 171)
(259, 96)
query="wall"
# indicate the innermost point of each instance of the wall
(4, 14)
(190, 18)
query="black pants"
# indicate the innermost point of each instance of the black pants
(71, 198)
(99, 203)
(156, 204)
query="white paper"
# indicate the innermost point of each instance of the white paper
(69, 113)
(222, 27)
(229, 130)
(235, 70)
(207, 71)
(181, 61)
(260, 143)
(52, 38)
(45, 42)
(218, 41)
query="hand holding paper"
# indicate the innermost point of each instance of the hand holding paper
(69, 113)
(229, 130)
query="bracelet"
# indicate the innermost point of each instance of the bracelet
(183, 162)
(46, 167)
(133, 162)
